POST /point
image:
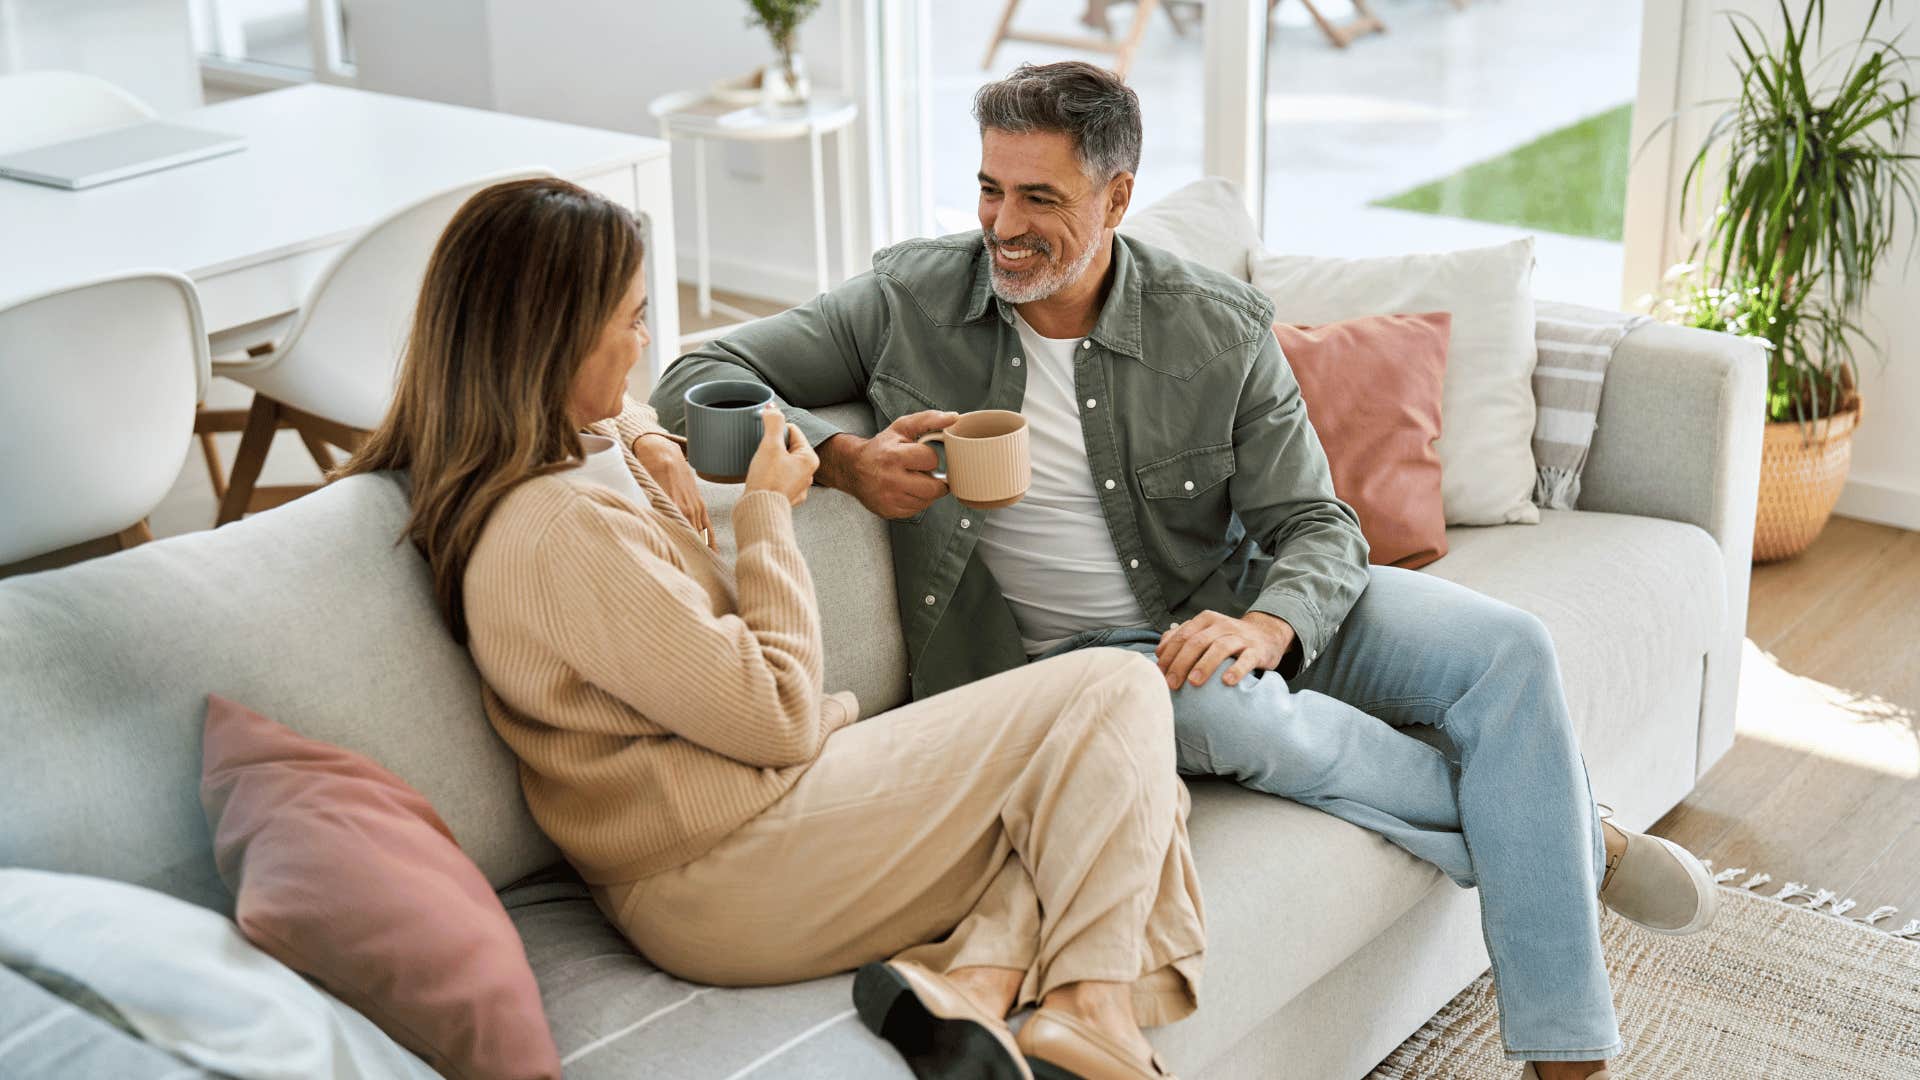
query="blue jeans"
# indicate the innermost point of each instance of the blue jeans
(1505, 807)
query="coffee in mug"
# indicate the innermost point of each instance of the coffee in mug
(988, 465)
(724, 427)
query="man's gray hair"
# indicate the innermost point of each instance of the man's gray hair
(1090, 104)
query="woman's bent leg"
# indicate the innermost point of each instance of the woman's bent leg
(1032, 820)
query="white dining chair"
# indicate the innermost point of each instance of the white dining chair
(38, 107)
(331, 376)
(96, 418)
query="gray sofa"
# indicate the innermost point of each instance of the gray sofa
(1327, 945)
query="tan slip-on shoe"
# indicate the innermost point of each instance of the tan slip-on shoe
(1064, 1047)
(935, 1026)
(1659, 885)
(1528, 1074)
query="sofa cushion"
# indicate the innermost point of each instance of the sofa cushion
(310, 613)
(1633, 604)
(616, 1016)
(345, 874)
(1597, 580)
(188, 983)
(1372, 388)
(1204, 222)
(851, 559)
(43, 1037)
(1487, 410)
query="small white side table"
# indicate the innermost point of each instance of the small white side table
(696, 115)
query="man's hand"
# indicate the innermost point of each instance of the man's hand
(1189, 653)
(891, 474)
(667, 463)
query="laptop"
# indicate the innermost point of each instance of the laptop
(116, 154)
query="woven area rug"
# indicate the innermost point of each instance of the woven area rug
(1777, 989)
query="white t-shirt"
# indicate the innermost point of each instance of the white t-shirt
(1051, 552)
(606, 466)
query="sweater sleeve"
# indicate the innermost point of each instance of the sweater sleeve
(745, 685)
(636, 419)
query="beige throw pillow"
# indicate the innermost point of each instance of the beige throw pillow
(1487, 409)
(1204, 222)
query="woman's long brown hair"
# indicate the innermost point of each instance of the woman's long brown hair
(520, 285)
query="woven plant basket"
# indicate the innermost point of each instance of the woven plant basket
(1801, 474)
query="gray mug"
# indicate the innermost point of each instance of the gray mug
(724, 428)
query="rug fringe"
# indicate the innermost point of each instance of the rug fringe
(1825, 901)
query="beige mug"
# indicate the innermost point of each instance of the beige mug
(987, 459)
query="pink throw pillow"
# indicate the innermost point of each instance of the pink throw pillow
(1372, 388)
(345, 874)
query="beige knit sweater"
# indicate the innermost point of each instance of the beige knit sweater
(656, 698)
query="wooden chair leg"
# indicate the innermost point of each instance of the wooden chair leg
(207, 423)
(210, 453)
(999, 34)
(1172, 9)
(318, 428)
(1364, 22)
(1136, 33)
(134, 535)
(263, 419)
(318, 448)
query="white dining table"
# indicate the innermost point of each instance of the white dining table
(254, 229)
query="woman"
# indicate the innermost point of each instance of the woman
(1020, 841)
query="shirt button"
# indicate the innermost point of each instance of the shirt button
(1016, 361)
(929, 601)
(1086, 344)
(1091, 403)
(1133, 564)
(1188, 485)
(1109, 485)
(966, 523)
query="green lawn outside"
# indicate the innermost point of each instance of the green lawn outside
(1571, 181)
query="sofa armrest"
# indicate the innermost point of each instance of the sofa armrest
(1679, 433)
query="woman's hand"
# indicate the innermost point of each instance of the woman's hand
(668, 465)
(784, 463)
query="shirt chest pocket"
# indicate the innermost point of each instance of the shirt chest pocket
(1188, 510)
(892, 399)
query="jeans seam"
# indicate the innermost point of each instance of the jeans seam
(1486, 938)
(1420, 699)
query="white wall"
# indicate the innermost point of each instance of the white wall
(598, 63)
(143, 46)
(436, 49)
(1686, 60)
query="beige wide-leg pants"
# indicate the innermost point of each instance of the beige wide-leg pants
(1032, 820)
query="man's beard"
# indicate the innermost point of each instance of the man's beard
(1041, 279)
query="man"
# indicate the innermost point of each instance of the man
(1182, 507)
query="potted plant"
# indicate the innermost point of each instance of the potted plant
(1812, 176)
(787, 84)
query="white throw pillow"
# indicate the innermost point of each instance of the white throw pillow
(187, 980)
(1486, 400)
(1204, 222)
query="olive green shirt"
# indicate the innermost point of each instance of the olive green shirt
(1213, 483)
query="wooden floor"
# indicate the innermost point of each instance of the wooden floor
(1822, 785)
(692, 322)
